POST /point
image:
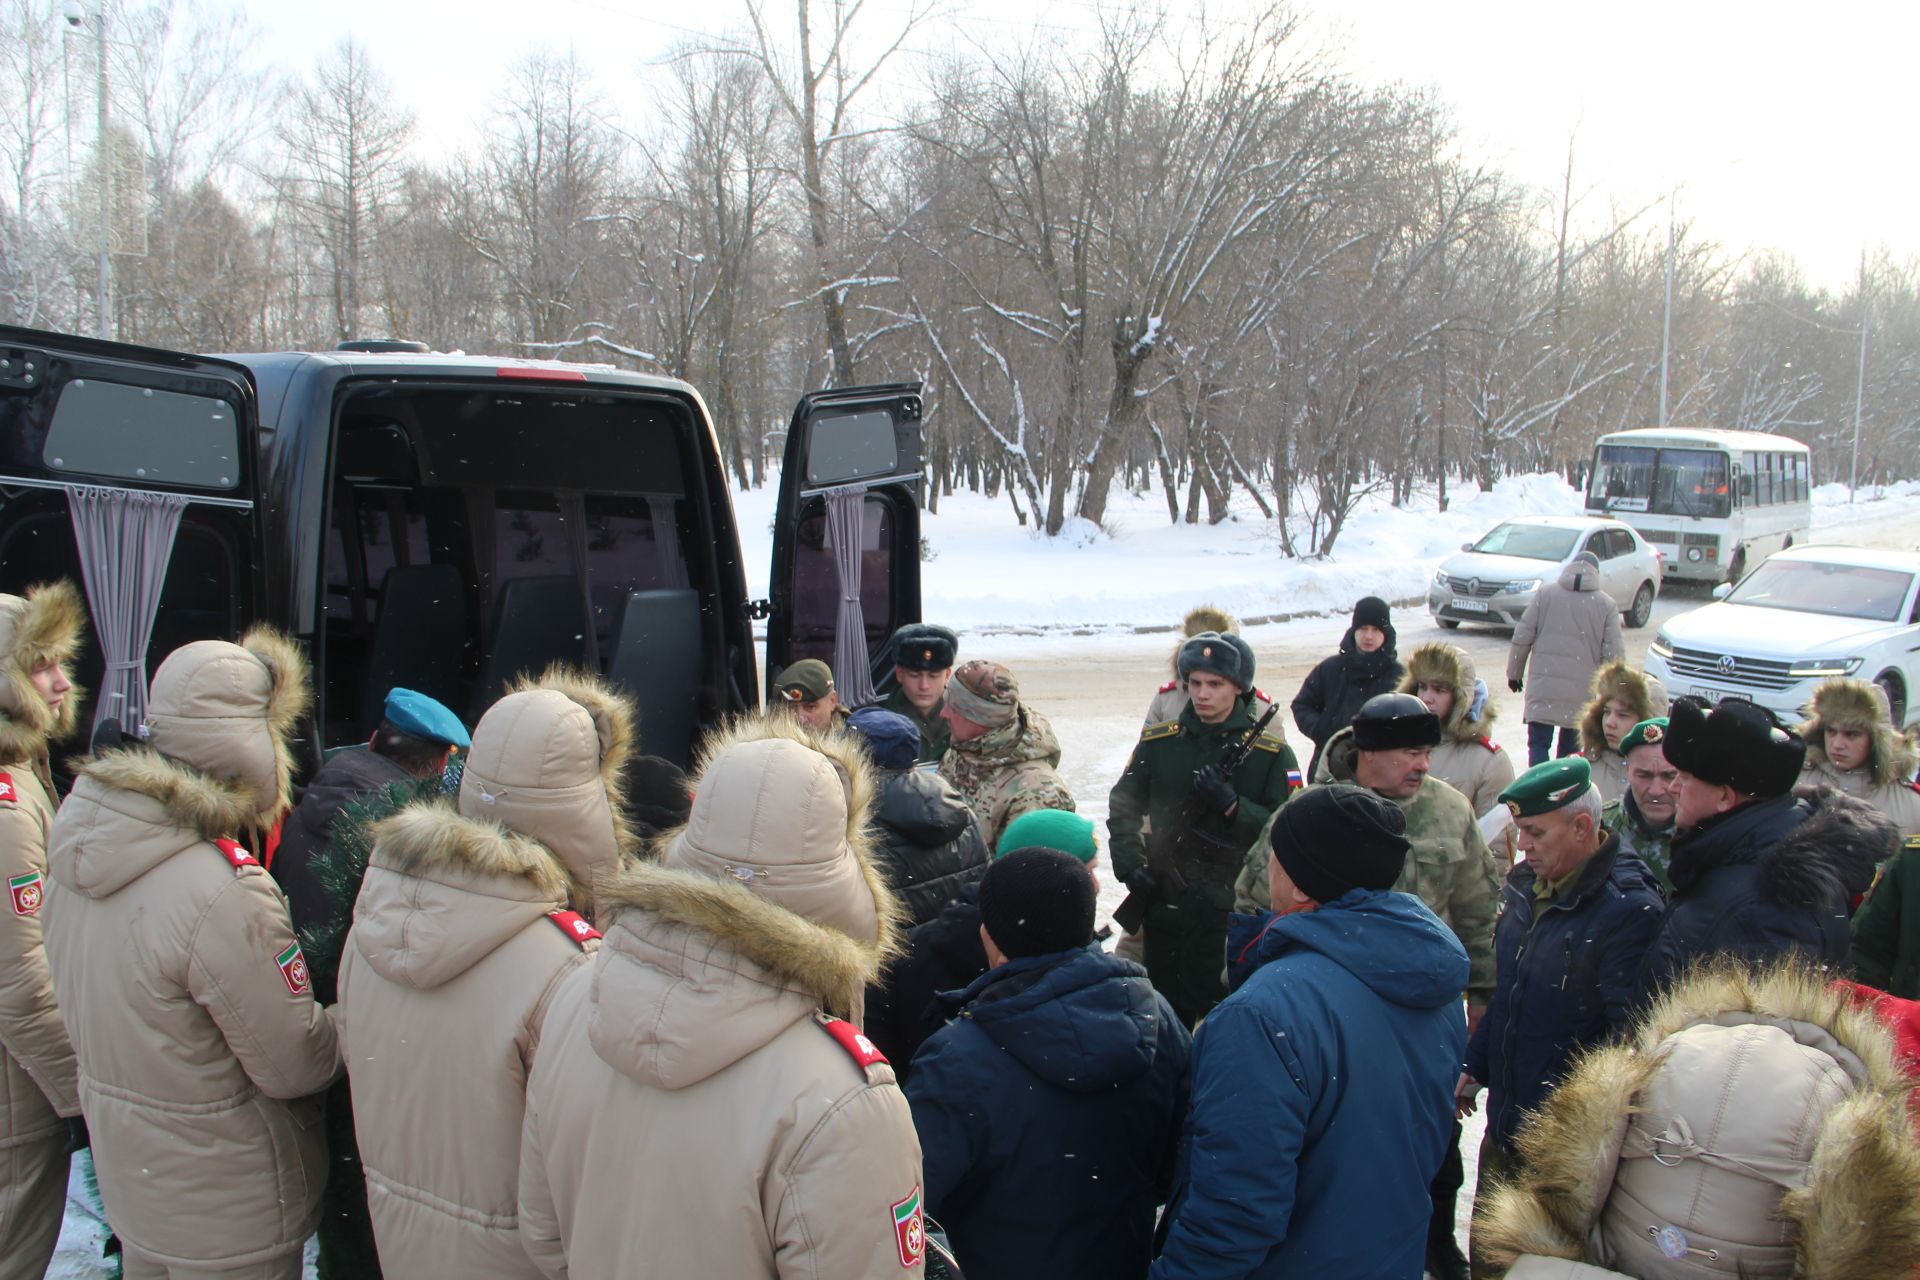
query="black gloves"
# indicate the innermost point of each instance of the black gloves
(1142, 883)
(1214, 791)
(1517, 686)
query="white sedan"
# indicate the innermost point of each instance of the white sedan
(1808, 614)
(1493, 579)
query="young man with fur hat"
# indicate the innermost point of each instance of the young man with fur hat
(1323, 1086)
(202, 1052)
(703, 1103)
(461, 935)
(1622, 698)
(929, 843)
(1570, 629)
(1049, 1103)
(1753, 1123)
(1003, 758)
(39, 634)
(923, 655)
(1170, 699)
(1757, 870)
(1365, 667)
(1575, 917)
(1183, 866)
(1852, 745)
(1442, 676)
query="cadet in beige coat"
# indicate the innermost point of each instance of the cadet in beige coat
(38, 637)
(1467, 759)
(201, 1049)
(698, 1107)
(1852, 745)
(1622, 698)
(461, 935)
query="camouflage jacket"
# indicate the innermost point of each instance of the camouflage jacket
(1007, 772)
(1654, 847)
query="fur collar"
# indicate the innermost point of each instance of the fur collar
(46, 626)
(432, 836)
(289, 697)
(613, 719)
(1638, 690)
(1856, 704)
(1834, 851)
(1856, 1217)
(1442, 663)
(215, 809)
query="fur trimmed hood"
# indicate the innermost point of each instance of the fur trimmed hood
(45, 625)
(1859, 704)
(1835, 851)
(1441, 663)
(139, 808)
(228, 711)
(1204, 617)
(1638, 690)
(1761, 1114)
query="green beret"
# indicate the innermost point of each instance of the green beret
(1648, 733)
(1551, 785)
(1058, 829)
(924, 646)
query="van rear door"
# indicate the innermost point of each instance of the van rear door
(131, 471)
(853, 462)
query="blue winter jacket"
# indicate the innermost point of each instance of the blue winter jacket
(1049, 1112)
(1565, 972)
(1322, 1096)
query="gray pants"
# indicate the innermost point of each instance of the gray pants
(136, 1265)
(33, 1200)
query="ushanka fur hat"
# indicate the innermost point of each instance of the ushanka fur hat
(1751, 1124)
(1859, 705)
(1737, 744)
(1642, 695)
(45, 625)
(1450, 665)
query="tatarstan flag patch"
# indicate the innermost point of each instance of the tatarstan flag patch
(910, 1229)
(293, 968)
(28, 892)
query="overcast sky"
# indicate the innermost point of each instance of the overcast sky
(1782, 126)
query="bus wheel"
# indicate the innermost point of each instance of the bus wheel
(1642, 610)
(1896, 692)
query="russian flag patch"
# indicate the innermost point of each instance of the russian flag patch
(1294, 780)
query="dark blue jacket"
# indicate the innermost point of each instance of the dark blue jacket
(1564, 978)
(1322, 1097)
(1049, 1111)
(1770, 877)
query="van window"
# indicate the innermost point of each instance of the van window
(852, 446)
(137, 433)
(816, 596)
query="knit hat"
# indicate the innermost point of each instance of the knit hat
(1372, 611)
(923, 646)
(1210, 651)
(985, 693)
(892, 740)
(1034, 902)
(1738, 744)
(1335, 838)
(1059, 829)
(804, 681)
(1389, 721)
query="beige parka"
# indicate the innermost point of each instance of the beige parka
(696, 1110)
(1886, 780)
(1570, 628)
(1467, 759)
(201, 1049)
(461, 935)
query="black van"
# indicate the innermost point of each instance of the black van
(440, 522)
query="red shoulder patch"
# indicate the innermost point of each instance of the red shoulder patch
(236, 854)
(1169, 686)
(1914, 785)
(1262, 694)
(862, 1050)
(574, 925)
(7, 794)
(1490, 745)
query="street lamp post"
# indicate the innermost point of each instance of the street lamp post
(76, 15)
(1859, 383)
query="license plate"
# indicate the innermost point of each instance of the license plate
(1717, 695)
(1469, 606)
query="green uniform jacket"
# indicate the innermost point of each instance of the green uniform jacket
(1655, 848)
(934, 733)
(1186, 935)
(1886, 930)
(1449, 868)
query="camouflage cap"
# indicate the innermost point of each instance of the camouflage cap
(1648, 733)
(1550, 785)
(985, 693)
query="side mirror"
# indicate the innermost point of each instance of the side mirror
(1466, 546)
(1722, 591)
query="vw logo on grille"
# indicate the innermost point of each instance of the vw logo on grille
(1473, 586)
(1726, 664)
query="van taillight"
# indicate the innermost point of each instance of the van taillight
(540, 374)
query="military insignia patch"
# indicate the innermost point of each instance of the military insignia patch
(236, 853)
(910, 1229)
(1652, 733)
(293, 968)
(1513, 807)
(574, 925)
(7, 793)
(863, 1051)
(926, 655)
(28, 891)
(1294, 780)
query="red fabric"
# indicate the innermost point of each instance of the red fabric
(1901, 1017)
(862, 1050)
(271, 845)
(574, 925)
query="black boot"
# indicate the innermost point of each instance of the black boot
(1444, 1260)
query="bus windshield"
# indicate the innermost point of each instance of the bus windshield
(1684, 482)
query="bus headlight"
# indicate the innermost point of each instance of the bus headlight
(1693, 553)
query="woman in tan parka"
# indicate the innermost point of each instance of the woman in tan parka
(699, 1107)
(1852, 745)
(39, 635)
(1622, 698)
(201, 1049)
(1468, 760)
(461, 935)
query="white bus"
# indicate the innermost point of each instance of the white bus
(1716, 503)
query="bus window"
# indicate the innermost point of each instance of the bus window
(1692, 482)
(1622, 478)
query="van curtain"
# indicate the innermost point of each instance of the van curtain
(125, 537)
(846, 526)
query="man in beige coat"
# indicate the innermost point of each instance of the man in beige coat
(461, 935)
(1570, 627)
(38, 1093)
(201, 1049)
(699, 1107)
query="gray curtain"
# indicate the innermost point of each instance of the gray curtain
(573, 513)
(126, 539)
(846, 527)
(666, 541)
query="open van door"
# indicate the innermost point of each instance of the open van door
(131, 472)
(848, 511)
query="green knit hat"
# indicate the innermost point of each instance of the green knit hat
(1059, 829)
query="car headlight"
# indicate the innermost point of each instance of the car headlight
(1661, 646)
(1808, 667)
(1520, 588)
(1439, 577)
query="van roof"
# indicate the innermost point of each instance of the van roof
(508, 368)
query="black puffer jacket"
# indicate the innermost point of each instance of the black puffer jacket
(1770, 877)
(1336, 689)
(944, 954)
(344, 778)
(930, 846)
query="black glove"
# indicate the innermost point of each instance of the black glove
(1141, 882)
(1214, 790)
(77, 1137)
(1517, 686)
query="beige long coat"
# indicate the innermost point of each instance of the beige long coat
(1569, 629)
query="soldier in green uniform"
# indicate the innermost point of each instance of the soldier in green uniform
(923, 656)
(1643, 817)
(1201, 819)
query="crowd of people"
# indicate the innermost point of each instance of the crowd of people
(837, 1002)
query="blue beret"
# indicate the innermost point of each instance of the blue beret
(419, 716)
(892, 740)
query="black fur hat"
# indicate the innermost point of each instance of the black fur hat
(1228, 657)
(1389, 721)
(1737, 744)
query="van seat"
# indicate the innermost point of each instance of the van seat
(538, 621)
(419, 639)
(656, 658)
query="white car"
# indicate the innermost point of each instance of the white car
(1493, 579)
(1807, 615)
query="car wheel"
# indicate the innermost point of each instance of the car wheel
(1448, 624)
(1896, 691)
(1642, 610)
